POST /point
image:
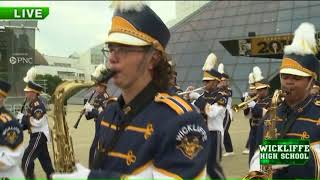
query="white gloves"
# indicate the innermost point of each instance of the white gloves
(194, 95)
(251, 104)
(20, 116)
(81, 172)
(88, 107)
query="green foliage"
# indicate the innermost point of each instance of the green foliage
(51, 82)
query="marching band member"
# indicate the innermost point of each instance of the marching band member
(100, 102)
(11, 141)
(252, 92)
(36, 121)
(212, 105)
(147, 133)
(299, 112)
(224, 87)
(316, 89)
(258, 108)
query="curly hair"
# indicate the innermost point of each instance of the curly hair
(162, 73)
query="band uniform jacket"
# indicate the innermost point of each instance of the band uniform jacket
(305, 119)
(163, 138)
(100, 102)
(11, 145)
(36, 119)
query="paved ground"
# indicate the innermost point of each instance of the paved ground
(234, 166)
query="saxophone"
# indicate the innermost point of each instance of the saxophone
(269, 133)
(63, 152)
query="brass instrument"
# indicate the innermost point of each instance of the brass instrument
(270, 133)
(63, 153)
(243, 105)
(186, 92)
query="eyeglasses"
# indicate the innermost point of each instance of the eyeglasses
(123, 50)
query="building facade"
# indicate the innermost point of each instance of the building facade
(199, 34)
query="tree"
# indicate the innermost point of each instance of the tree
(51, 82)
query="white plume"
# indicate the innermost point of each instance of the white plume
(251, 78)
(98, 70)
(31, 75)
(304, 41)
(210, 62)
(124, 6)
(221, 68)
(257, 74)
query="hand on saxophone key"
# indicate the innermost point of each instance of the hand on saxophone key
(80, 172)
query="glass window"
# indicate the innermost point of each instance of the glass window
(238, 31)
(257, 8)
(205, 15)
(246, 3)
(203, 25)
(284, 15)
(228, 69)
(252, 28)
(271, 6)
(186, 59)
(189, 36)
(234, 3)
(218, 13)
(181, 71)
(315, 21)
(227, 21)
(300, 13)
(184, 28)
(269, 17)
(261, 60)
(195, 73)
(314, 11)
(244, 9)
(268, 28)
(286, 5)
(223, 32)
(239, 87)
(283, 27)
(213, 23)
(314, 3)
(230, 11)
(239, 20)
(242, 71)
(179, 48)
(228, 59)
(199, 58)
(174, 37)
(301, 3)
(297, 22)
(211, 33)
(254, 18)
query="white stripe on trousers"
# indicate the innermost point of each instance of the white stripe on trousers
(30, 154)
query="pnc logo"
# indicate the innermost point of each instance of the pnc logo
(20, 60)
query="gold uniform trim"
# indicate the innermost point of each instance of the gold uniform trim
(4, 94)
(129, 157)
(207, 75)
(176, 106)
(167, 173)
(290, 63)
(120, 24)
(147, 131)
(317, 161)
(317, 121)
(303, 135)
(4, 117)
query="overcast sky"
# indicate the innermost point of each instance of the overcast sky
(75, 26)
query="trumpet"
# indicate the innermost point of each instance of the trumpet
(187, 92)
(243, 105)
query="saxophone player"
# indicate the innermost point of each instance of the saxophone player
(11, 143)
(299, 113)
(212, 105)
(147, 133)
(100, 102)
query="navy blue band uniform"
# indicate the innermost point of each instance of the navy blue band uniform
(100, 103)
(257, 114)
(11, 145)
(154, 132)
(227, 121)
(305, 118)
(36, 121)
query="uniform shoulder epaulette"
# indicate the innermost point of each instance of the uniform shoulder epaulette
(317, 101)
(176, 103)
